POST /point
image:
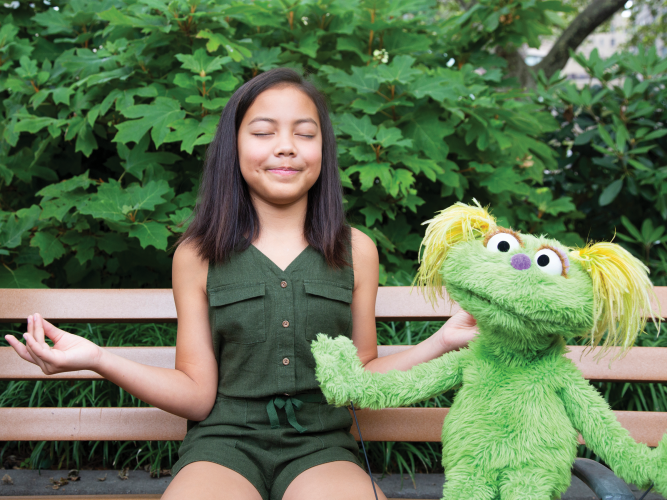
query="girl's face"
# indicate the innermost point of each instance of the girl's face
(280, 146)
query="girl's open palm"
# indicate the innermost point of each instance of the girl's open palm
(69, 352)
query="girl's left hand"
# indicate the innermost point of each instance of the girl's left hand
(459, 330)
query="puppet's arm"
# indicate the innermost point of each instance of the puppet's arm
(343, 378)
(591, 416)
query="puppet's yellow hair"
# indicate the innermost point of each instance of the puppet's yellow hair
(622, 295)
(455, 224)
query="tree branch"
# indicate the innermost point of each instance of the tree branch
(597, 12)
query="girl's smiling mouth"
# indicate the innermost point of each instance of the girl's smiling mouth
(284, 170)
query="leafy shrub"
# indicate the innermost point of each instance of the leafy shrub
(108, 107)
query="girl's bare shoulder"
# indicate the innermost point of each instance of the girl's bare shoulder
(188, 266)
(364, 250)
(365, 262)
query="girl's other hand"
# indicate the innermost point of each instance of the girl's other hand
(458, 331)
(69, 352)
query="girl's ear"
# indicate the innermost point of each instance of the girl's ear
(453, 225)
(622, 294)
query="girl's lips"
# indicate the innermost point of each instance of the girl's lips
(283, 171)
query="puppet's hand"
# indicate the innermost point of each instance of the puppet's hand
(660, 481)
(339, 370)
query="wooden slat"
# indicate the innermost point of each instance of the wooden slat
(157, 305)
(88, 306)
(153, 424)
(641, 364)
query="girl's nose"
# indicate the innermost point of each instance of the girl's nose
(520, 262)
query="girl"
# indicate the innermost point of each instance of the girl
(267, 263)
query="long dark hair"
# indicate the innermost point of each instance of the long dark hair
(224, 218)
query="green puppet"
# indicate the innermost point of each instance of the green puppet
(512, 430)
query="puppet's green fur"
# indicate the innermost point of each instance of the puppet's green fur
(512, 429)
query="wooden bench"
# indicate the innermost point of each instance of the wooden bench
(641, 364)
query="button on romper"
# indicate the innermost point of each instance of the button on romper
(270, 421)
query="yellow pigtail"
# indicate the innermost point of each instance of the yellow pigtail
(455, 224)
(622, 294)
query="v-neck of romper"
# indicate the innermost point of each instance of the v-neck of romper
(275, 267)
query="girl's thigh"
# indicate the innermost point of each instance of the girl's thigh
(209, 481)
(333, 481)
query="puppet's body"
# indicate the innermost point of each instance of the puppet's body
(498, 438)
(512, 430)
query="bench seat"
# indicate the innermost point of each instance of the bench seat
(641, 364)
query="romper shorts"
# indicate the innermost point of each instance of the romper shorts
(238, 435)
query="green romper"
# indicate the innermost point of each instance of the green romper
(270, 421)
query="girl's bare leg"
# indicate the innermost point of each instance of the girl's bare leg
(209, 481)
(333, 481)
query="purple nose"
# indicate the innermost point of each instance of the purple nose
(520, 262)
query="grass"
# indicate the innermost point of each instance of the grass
(386, 457)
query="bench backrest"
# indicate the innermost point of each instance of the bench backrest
(641, 364)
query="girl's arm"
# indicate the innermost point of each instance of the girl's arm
(188, 391)
(343, 379)
(455, 334)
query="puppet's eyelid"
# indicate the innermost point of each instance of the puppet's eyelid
(502, 242)
(552, 260)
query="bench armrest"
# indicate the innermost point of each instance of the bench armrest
(601, 480)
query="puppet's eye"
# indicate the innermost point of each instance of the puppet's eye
(549, 262)
(502, 242)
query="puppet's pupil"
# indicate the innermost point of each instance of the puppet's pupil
(543, 260)
(504, 246)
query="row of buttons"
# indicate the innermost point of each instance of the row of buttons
(283, 284)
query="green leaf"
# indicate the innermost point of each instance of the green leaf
(61, 95)
(656, 134)
(82, 181)
(391, 136)
(151, 234)
(235, 51)
(371, 171)
(372, 213)
(156, 116)
(605, 136)
(631, 229)
(12, 231)
(308, 45)
(505, 179)
(428, 167)
(360, 129)
(363, 79)
(610, 193)
(200, 62)
(433, 86)
(27, 276)
(192, 132)
(427, 133)
(136, 160)
(400, 70)
(49, 246)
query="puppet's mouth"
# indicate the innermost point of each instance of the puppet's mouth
(467, 294)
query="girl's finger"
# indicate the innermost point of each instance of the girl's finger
(19, 348)
(38, 353)
(38, 331)
(51, 331)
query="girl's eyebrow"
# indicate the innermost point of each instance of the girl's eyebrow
(274, 122)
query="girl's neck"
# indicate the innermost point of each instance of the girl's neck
(281, 236)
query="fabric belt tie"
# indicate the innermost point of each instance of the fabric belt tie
(290, 404)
